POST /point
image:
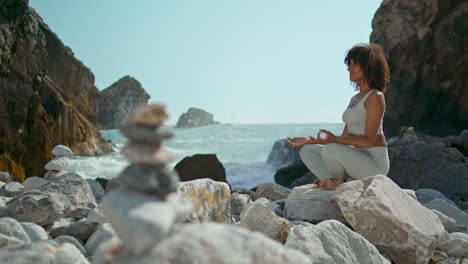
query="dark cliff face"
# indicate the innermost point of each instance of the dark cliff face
(195, 117)
(426, 43)
(118, 100)
(46, 95)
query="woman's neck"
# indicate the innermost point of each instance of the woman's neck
(363, 87)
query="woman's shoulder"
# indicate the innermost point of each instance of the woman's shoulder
(376, 97)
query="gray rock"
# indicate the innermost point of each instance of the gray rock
(259, 217)
(390, 219)
(54, 174)
(459, 235)
(311, 204)
(97, 216)
(143, 154)
(80, 229)
(57, 164)
(272, 191)
(112, 184)
(62, 151)
(455, 247)
(79, 213)
(450, 211)
(12, 232)
(154, 180)
(5, 177)
(425, 196)
(275, 207)
(334, 239)
(96, 188)
(34, 232)
(195, 117)
(41, 252)
(34, 182)
(68, 253)
(145, 134)
(238, 202)
(103, 234)
(282, 154)
(72, 240)
(4, 200)
(141, 220)
(450, 225)
(11, 189)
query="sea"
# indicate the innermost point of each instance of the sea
(243, 149)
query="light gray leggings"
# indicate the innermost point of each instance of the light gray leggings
(336, 160)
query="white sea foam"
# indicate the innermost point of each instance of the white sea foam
(243, 150)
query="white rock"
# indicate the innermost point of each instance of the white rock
(259, 217)
(455, 247)
(57, 164)
(450, 225)
(459, 235)
(34, 232)
(390, 219)
(103, 234)
(334, 239)
(141, 220)
(62, 151)
(311, 204)
(72, 240)
(34, 182)
(11, 189)
(272, 191)
(51, 175)
(67, 253)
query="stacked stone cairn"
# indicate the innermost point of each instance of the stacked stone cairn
(142, 211)
(56, 167)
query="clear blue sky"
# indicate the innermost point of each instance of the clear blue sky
(245, 61)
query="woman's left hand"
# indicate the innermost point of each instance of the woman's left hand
(329, 137)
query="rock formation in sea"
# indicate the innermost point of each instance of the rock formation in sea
(425, 42)
(118, 100)
(195, 117)
(47, 97)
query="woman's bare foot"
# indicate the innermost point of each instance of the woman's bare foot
(317, 182)
(330, 184)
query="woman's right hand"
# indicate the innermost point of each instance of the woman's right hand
(301, 141)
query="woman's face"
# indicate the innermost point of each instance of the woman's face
(355, 72)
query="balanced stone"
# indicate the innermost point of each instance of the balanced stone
(62, 151)
(152, 115)
(157, 180)
(145, 134)
(57, 164)
(148, 155)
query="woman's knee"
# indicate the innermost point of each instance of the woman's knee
(307, 151)
(332, 149)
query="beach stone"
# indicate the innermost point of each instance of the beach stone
(293, 173)
(449, 210)
(455, 247)
(152, 115)
(238, 202)
(1, 184)
(450, 225)
(459, 235)
(425, 196)
(72, 240)
(272, 191)
(259, 217)
(34, 232)
(336, 240)
(40, 252)
(112, 184)
(390, 219)
(96, 215)
(140, 219)
(5, 177)
(37, 207)
(201, 166)
(210, 200)
(96, 188)
(148, 179)
(275, 208)
(411, 193)
(34, 182)
(103, 234)
(80, 229)
(4, 200)
(143, 154)
(68, 253)
(11, 189)
(283, 154)
(244, 191)
(212, 243)
(79, 213)
(438, 257)
(311, 204)
(62, 151)
(12, 232)
(54, 174)
(146, 134)
(57, 164)
(182, 208)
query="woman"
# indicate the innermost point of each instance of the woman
(361, 150)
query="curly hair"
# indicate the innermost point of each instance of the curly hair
(373, 64)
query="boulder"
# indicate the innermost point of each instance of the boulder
(12, 233)
(455, 247)
(71, 240)
(195, 117)
(80, 229)
(334, 239)
(210, 200)
(201, 166)
(425, 48)
(272, 191)
(34, 182)
(96, 188)
(118, 100)
(103, 234)
(11, 189)
(282, 154)
(390, 219)
(451, 211)
(425, 196)
(34, 232)
(238, 202)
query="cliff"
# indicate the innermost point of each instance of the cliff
(425, 42)
(47, 95)
(195, 117)
(118, 100)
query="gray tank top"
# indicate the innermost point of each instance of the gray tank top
(355, 117)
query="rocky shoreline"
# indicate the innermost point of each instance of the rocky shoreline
(146, 215)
